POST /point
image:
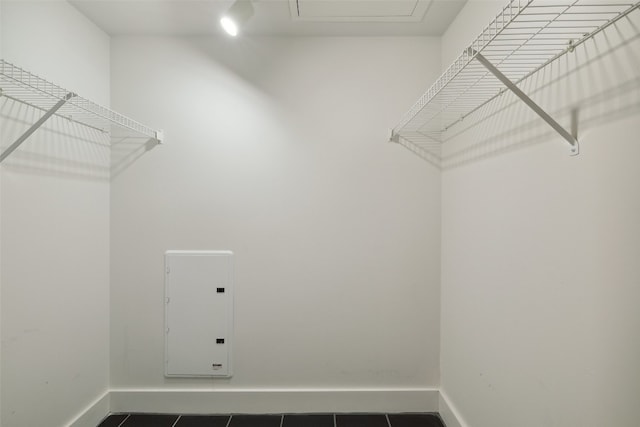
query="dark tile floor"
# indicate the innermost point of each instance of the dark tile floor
(287, 420)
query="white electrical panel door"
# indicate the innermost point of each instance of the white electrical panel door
(199, 313)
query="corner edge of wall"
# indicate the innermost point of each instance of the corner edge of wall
(94, 413)
(448, 412)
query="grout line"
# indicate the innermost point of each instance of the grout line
(176, 422)
(335, 422)
(123, 421)
(388, 420)
(229, 420)
(281, 420)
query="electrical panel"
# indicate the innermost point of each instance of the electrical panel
(198, 313)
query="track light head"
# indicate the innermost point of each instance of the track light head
(237, 15)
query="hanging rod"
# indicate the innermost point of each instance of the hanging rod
(526, 36)
(23, 86)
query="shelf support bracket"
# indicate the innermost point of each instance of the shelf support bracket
(571, 139)
(393, 136)
(35, 126)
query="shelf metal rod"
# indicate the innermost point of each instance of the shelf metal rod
(35, 126)
(530, 103)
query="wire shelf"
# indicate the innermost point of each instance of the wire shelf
(25, 87)
(524, 37)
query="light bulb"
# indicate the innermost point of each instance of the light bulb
(237, 15)
(229, 26)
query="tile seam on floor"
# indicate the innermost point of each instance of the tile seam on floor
(282, 416)
(123, 421)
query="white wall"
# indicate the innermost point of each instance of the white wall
(2, 119)
(276, 150)
(54, 225)
(539, 249)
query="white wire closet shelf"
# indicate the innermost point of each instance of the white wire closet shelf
(25, 87)
(525, 37)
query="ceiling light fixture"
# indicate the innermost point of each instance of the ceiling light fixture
(237, 15)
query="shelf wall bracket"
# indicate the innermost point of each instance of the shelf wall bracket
(35, 126)
(393, 136)
(571, 139)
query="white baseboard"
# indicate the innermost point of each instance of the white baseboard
(93, 413)
(449, 413)
(255, 401)
(252, 401)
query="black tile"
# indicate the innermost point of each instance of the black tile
(361, 420)
(415, 420)
(203, 421)
(255, 421)
(113, 420)
(150, 420)
(307, 420)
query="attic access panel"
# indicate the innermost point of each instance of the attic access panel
(359, 10)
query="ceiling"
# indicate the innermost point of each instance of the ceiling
(359, 10)
(275, 17)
